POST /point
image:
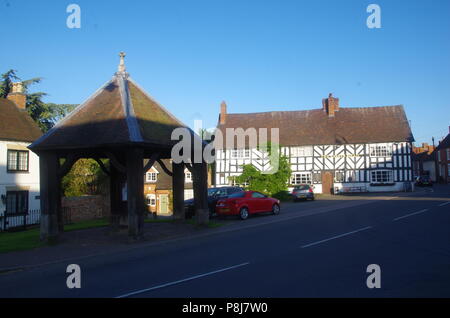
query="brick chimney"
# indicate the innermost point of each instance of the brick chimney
(330, 105)
(17, 95)
(223, 113)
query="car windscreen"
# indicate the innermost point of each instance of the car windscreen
(212, 191)
(237, 195)
(302, 187)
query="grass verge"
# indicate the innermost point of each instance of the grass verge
(20, 241)
(29, 239)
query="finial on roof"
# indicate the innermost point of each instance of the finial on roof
(122, 68)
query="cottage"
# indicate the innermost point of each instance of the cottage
(158, 188)
(443, 159)
(19, 168)
(424, 161)
(337, 149)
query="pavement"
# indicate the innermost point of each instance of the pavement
(312, 249)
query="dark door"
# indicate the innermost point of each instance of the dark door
(327, 182)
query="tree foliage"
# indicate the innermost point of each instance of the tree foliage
(85, 178)
(46, 115)
(6, 82)
(274, 184)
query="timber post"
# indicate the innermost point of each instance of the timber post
(200, 179)
(135, 193)
(50, 195)
(178, 191)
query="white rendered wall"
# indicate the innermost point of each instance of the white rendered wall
(28, 181)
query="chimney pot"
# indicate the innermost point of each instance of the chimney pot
(17, 95)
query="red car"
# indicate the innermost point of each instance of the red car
(246, 203)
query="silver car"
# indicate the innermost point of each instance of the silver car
(303, 192)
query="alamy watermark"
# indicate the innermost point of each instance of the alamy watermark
(74, 19)
(374, 19)
(191, 149)
(74, 279)
(374, 279)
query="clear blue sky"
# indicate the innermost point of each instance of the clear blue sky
(256, 55)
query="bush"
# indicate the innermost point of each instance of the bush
(283, 196)
(272, 184)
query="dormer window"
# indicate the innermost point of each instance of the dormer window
(151, 176)
(187, 176)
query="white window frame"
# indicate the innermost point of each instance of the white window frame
(18, 160)
(240, 153)
(301, 152)
(187, 176)
(380, 150)
(301, 178)
(151, 199)
(381, 176)
(151, 176)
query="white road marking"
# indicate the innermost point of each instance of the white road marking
(181, 281)
(411, 214)
(442, 204)
(338, 236)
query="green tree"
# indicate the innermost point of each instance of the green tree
(85, 178)
(46, 115)
(6, 82)
(274, 184)
(205, 134)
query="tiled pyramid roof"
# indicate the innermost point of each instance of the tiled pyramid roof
(119, 113)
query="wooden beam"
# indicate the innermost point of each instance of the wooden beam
(135, 193)
(163, 166)
(178, 191)
(112, 159)
(67, 165)
(189, 166)
(115, 197)
(151, 161)
(200, 183)
(102, 166)
(50, 197)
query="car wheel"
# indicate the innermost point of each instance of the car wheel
(312, 198)
(243, 213)
(276, 209)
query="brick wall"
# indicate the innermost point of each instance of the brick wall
(87, 207)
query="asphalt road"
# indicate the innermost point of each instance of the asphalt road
(312, 249)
